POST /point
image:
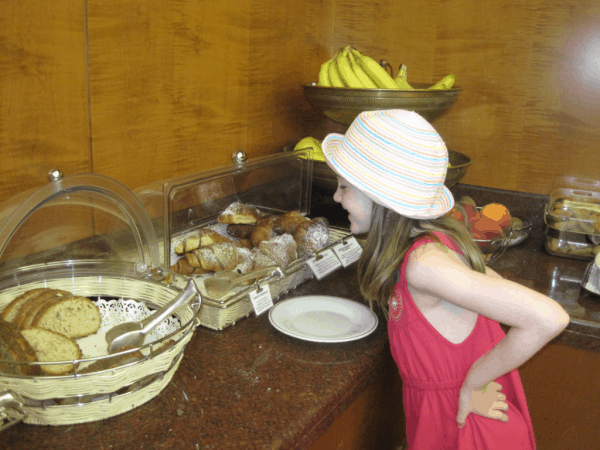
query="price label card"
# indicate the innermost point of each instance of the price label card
(325, 263)
(348, 251)
(261, 299)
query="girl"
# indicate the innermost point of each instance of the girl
(461, 389)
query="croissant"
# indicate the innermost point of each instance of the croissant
(204, 237)
(263, 231)
(183, 267)
(240, 230)
(245, 261)
(188, 244)
(243, 243)
(203, 258)
(262, 261)
(226, 254)
(281, 249)
(217, 257)
(288, 222)
(240, 213)
(311, 235)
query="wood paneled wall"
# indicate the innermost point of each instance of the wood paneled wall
(141, 91)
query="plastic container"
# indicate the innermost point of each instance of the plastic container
(572, 218)
(274, 184)
(591, 280)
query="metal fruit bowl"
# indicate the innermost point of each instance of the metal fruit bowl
(459, 164)
(342, 105)
(494, 248)
(326, 179)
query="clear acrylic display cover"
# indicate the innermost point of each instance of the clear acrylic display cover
(276, 184)
(79, 217)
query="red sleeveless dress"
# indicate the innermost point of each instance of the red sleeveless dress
(433, 369)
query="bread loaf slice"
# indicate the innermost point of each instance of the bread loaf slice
(33, 304)
(15, 348)
(12, 309)
(74, 317)
(52, 346)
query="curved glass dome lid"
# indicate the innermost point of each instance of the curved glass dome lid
(78, 217)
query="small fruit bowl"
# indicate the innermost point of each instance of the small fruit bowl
(520, 227)
(459, 163)
(493, 230)
(492, 249)
(518, 231)
(342, 105)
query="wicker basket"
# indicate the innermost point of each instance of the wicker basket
(85, 397)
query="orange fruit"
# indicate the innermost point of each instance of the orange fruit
(457, 213)
(472, 213)
(485, 228)
(498, 213)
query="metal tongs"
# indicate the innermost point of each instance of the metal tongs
(222, 283)
(133, 334)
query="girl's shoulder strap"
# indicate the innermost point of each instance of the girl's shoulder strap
(448, 241)
(443, 238)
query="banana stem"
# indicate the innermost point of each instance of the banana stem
(383, 63)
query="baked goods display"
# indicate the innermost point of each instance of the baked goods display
(250, 240)
(42, 325)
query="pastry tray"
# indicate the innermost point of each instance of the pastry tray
(218, 314)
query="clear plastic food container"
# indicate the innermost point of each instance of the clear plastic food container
(572, 218)
(274, 184)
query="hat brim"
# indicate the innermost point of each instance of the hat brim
(442, 204)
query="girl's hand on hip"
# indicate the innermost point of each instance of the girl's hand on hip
(486, 402)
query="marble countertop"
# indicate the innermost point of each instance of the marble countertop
(252, 387)
(245, 387)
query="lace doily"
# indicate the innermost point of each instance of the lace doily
(114, 312)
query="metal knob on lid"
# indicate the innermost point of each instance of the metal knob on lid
(55, 175)
(239, 157)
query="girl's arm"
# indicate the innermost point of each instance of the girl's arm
(533, 317)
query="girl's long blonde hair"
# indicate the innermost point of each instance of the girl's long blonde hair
(389, 238)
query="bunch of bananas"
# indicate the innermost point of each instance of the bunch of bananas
(351, 69)
(315, 144)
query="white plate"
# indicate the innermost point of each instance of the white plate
(321, 318)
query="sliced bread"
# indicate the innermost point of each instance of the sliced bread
(74, 317)
(12, 309)
(52, 346)
(33, 304)
(15, 348)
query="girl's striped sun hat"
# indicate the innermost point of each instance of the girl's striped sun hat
(396, 158)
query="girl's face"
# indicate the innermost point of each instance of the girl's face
(358, 205)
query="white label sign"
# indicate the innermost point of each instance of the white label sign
(348, 251)
(261, 299)
(325, 263)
